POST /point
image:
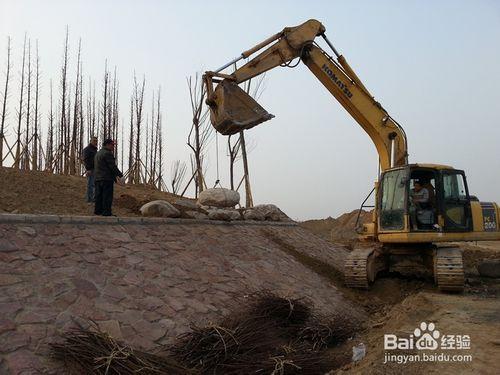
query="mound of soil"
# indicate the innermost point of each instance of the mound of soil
(46, 193)
(340, 229)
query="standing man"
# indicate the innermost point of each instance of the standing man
(88, 156)
(106, 173)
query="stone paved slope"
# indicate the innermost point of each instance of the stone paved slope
(143, 283)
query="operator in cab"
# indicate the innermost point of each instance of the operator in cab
(419, 197)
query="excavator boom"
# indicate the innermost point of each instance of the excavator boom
(233, 110)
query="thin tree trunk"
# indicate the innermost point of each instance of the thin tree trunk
(105, 103)
(139, 100)
(35, 156)
(63, 119)
(4, 104)
(20, 113)
(248, 190)
(74, 128)
(158, 136)
(26, 157)
(81, 118)
(50, 135)
(131, 142)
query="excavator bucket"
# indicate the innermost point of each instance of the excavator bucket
(233, 110)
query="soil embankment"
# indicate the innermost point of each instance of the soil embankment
(34, 192)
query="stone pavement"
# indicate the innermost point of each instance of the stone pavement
(142, 281)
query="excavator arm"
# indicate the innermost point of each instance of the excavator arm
(233, 110)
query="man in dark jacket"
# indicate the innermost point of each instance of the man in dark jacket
(105, 173)
(88, 156)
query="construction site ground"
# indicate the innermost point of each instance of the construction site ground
(393, 304)
(397, 306)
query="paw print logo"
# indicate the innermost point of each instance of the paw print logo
(426, 336)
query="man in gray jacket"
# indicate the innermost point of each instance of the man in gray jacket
(105, 174)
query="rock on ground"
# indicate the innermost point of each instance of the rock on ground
(251, 214)
(219, 197)
(186, 204)
(159, 209)
(489, 268)
(195, 215)
(220, 214)
(270, 212)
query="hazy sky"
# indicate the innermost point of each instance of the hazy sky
(434, 65)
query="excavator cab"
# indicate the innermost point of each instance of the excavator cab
(233, 110)
(424, 198)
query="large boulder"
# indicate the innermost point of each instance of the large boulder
(159, 209)
(270, 212)
(219, 197)
(226, 215)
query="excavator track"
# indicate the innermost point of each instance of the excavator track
(449, 270)
(356, 268)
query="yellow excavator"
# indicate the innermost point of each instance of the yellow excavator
(418, 207)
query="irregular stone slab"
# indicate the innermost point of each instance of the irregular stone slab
(196, 215)
(226, 215)
(159, 209)
(489, 268)
(112, 327)
(271, 212)
(7, 246)
(219, 197)
(9, 279)
(27, 230)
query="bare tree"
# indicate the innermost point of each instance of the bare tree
(138, 106)
(122, 144)
(177, 174)
(157, 152)
(105, 99)
(50, 135)
(201, 130)
(81, 127)
(159, 165)
(26, 156)
(63, 126)
(35, 157)
(4, 102)
(17, 160)
(150, 142)
(131, 141)
(75, 127)
(147, 154)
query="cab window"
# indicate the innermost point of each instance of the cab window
(393, 200)
(454, 187)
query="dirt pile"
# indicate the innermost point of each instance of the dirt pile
(46, 193)
(452, 315)
(340, 229)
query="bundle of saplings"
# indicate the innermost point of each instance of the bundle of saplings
(263, 334)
